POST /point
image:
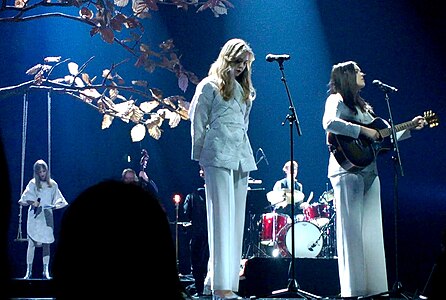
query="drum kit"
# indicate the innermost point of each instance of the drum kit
(314, 231)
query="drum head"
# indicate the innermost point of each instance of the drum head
(308, 240)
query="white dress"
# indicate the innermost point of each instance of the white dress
(40, 223)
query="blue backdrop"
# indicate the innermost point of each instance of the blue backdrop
(398, 42)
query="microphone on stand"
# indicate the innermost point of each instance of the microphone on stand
(384, 87)
(277, 57)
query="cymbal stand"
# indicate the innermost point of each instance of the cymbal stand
(328, 232)
(252, 240)
(292, 289)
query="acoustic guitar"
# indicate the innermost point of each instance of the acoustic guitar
(356, 154)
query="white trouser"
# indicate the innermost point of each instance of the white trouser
(359, 235)
(226, 192)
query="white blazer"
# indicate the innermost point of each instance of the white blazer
(219, 128)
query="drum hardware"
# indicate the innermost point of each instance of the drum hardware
(328, 232)
(253, 249)
(327, 196)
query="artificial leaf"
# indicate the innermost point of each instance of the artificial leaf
(52, 59)
(34, 70)
(156, 93)
(121, 3)
(139, 7)
(106, 121)
(106, 74)
(183, 82)
(92, 93)
(107, 35)
(86, 13)
(138, 133)
(173, 117)
(86, 78)
(78, 82)
(19, 3)
(73, 68)
(141, 83)
(148, 106)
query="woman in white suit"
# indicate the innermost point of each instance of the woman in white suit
(219, 115)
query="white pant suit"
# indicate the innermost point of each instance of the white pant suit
(221, 145)
(359, 228)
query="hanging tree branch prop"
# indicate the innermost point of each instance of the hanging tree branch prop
(145, 106)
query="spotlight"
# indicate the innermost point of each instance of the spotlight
(177, 199)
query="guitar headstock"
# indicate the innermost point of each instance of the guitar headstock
(431, 118)
(144, 159)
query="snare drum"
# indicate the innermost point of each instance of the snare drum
(272, 223)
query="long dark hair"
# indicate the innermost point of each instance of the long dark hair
(343, 81)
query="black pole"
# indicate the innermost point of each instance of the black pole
(293, 288)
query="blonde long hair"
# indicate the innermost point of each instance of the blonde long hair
(41, 165)
(230, 54)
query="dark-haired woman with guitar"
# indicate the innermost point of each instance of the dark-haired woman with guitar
(355, 181)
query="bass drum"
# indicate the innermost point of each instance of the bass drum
(308, 241)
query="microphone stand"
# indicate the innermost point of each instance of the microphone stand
(397, 286)
(293, 287)
(177, 205)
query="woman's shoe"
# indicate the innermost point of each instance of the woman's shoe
(230, 296)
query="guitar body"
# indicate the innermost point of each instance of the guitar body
(356, 154)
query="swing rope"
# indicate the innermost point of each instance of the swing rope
(19, 237)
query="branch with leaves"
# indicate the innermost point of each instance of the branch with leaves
(137, 103)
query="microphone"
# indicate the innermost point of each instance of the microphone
(36, 209)
(277, 57)
(384, 87)
(264, 156)
(312, 246)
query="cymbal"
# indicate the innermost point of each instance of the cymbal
(275, 197)
(298, 196)
(327, 195)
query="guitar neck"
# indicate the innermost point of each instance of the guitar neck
(399, 127)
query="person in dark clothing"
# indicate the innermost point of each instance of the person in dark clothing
(195, 212)
(129, 176)
(434, 289)
(101, 252)
(5, 220)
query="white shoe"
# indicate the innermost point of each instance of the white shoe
(207, 290)
(233, 296)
